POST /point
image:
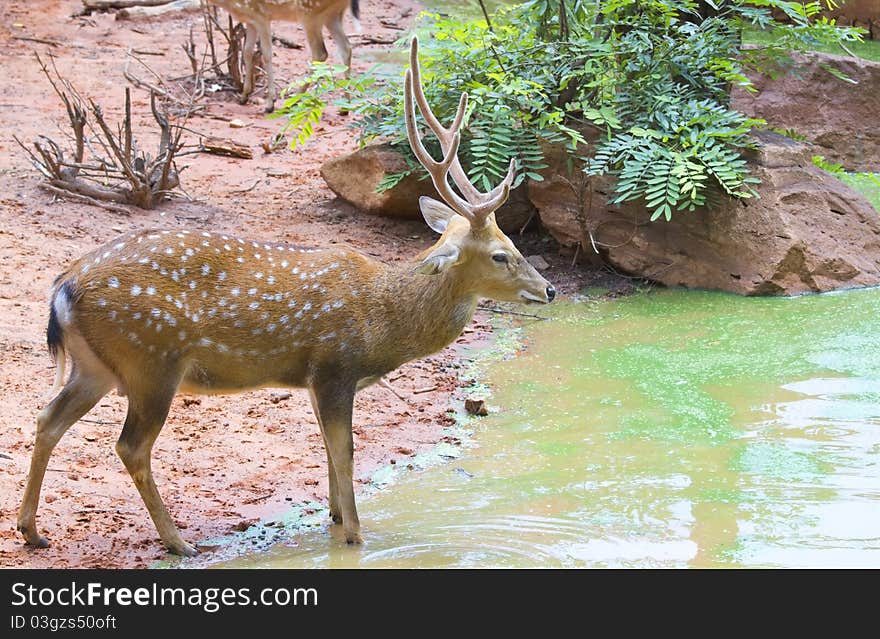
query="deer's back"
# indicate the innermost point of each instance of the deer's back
(230, 312)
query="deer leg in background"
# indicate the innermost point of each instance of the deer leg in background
(338, 32)
(266, 50)
(147, 410)
(332, 490)
(335, 401)
(250, 41)
(77, 398)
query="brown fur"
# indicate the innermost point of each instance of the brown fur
(158, 311)
(314, 15)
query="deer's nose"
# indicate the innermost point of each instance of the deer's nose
(551, 293)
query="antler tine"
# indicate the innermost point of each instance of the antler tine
(437, 170)
(481, 205)
(497, 196)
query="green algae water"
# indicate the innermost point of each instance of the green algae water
(666, 429)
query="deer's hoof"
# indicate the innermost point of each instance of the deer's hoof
(269, 107)
(31, 538)
(353, 538)
(337, 519)
(243, 98)
(182, 548)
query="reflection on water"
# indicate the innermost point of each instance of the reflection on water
(666, 429)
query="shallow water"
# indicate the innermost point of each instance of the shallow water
(665, 429)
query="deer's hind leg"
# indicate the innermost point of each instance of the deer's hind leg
(148, 407)
(79, 395)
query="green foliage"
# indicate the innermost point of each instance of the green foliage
(634, 88)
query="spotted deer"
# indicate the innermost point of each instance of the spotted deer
(157, 312)
(313, 15)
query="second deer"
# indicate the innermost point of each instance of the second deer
(154, 312)
(313, 15)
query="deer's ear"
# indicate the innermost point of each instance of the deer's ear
(441, 259)
(436, 214)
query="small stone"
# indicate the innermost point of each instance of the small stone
(238, 124)
(280, 397)
(476, 407)
(538, 262)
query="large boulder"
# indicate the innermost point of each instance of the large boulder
(851, 13)
(355, 178)
(838, 117)
(808, 232)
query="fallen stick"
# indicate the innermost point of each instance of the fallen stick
(426, 389)
(150, 11)
(52, 43)
(284, 42)
(506, 312)
(219, 146)
(85, 198)
(104, 5)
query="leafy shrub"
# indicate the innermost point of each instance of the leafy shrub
(648, 82)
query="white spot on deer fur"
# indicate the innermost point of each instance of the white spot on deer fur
(295, 270)
(143, 260)
(155, 266)
(258, 275)
(158, 327)
(298, 314)
(175, 276)
(106, 255)
(167, 298)
(334, 265)
(205, 269)
(257, 331)
(221, 276)
(153, 236)
(157, 313)
(239, 259)
(183, 258)
(85, 268)
(136, 316)
(227, 247)
(252, 291)
(204, 295)
(325, 307)
(205, 234)
(284, 319)
(192, 285)
(235, 291)
(223, 348)
(178, 303)
(179, 235)
(307, 306)
(270, 279)
(113, 281)
(195, 317)
(291, 304)
(327, 336)
(169, 251)
(135, 290)
(338, 304)
(238, 324)
(264, 316)
(284, 263)
(254, 306)
(102, 302)
(151, 290)
(181, 335)
(206, 244)
(112, 315)
(257, 255)
(277, 297)
(303, 276)
(119, 246)
(169, 319)
(315, 285)
(205, 342)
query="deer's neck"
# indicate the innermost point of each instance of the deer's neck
(431, 311)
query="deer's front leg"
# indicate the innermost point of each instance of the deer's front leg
(333, 493)
(334, 402)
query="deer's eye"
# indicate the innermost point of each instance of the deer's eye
(501, 258)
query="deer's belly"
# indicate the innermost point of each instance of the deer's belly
(214, 377)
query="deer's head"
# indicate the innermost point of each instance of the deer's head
(471, 239)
